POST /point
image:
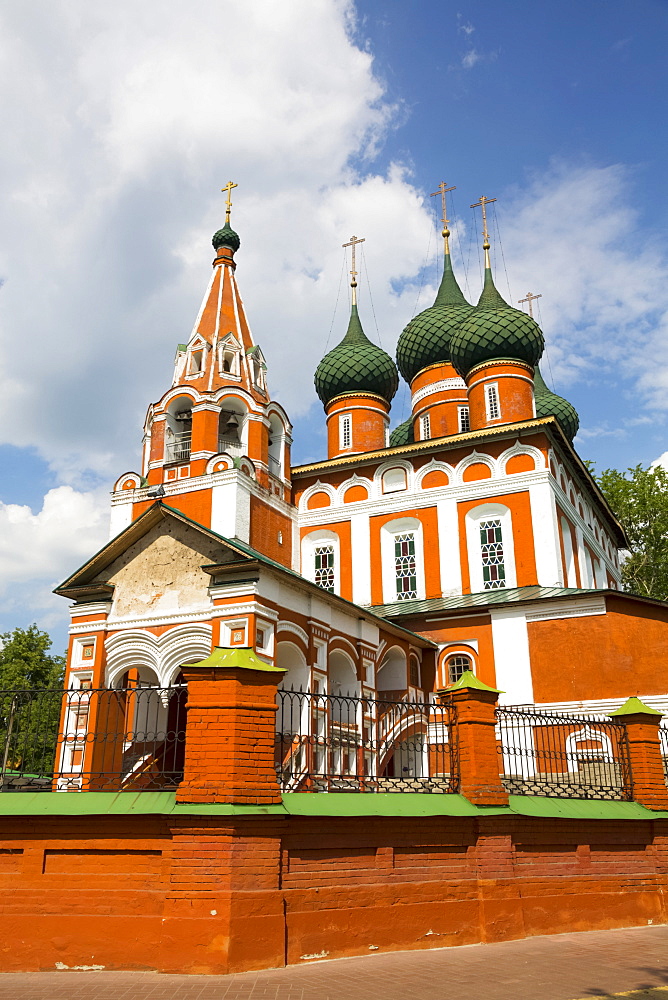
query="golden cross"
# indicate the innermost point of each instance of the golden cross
(228, 209)
(530, 299)
(353, 273)
(443, 190)
(483, 203)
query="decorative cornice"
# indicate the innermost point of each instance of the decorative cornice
(445, 385)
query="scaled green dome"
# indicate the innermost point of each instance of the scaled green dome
(494, 331)
(226, 237)
(356, 365)
(426, 339)
(548, 404)
(403, 434)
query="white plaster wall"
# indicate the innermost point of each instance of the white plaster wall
(360, 539)
(546, 535)
(230, 508)
(120, 517)
(448, 538)
(511, 657)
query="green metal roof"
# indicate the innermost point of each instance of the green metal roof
(403, 434)
(226, 237)
(356, 365)
(549, 404)
(488, 598)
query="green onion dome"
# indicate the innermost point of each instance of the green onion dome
(356, 365)
(226, 237)
(548, 404)
(426, 339)
(494, 331)
(403, 434)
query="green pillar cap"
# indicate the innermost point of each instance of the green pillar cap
(237, 656)
(634, 706)
(469, 680)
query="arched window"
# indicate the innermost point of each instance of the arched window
(231, 426)
(229, 356)
(402, 554)
(456, 667)
(489, 537)
(569, 553)
(276, 446)
(178, 430)
(320, 559)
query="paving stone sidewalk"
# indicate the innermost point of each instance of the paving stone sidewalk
(622, 963)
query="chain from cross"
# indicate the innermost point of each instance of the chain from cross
(530, 298)
(483, 203)
(228, 207)
(353, 243)
(443, 190)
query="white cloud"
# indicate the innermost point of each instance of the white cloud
(470, 58)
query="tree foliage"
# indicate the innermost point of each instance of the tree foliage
(25, 660)
(639, 498)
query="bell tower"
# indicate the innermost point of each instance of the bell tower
(215, 439)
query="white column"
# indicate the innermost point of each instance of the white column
(511, 656)
(230, 507)
(448, 541)
(546, 535)
(360, 544)
(121, 514)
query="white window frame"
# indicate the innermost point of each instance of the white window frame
(492, 402)
(569, 553)
(310, 543)
(485, 512)
(388, 533)
(401, 481)
(345, 431)
(425, 427)
(464, 419)
(230, 345)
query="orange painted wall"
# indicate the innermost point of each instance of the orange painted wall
(615, 655)
(463, 630)
(525, 557)
(342, 529)
(432, 570)
(195, 505)
(266, 523)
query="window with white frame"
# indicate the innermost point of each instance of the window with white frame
(492, 407)
(405, 566)
(345, 430)
(402, 560)
(229, 355)
(491, 552)
(323, 566)
(425, 427)
(464, 419)
(457, 666)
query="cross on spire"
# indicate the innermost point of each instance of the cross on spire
(530, 298)
(228, 207)
(483, 203)
(353, 273)
(443, 190)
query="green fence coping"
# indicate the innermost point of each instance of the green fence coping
(244, 657)
(317, 804)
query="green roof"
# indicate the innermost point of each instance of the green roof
(487, 598)
(426, 339)
(403, 434)
(226, 237)
(356, 365)
(548, 404)
(243, 657)
(494, 331)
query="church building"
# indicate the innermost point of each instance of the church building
(472, 537)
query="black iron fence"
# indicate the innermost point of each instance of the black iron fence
(92, 740)
(569, 756)
(341, 743)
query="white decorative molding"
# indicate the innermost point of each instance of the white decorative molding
(575, 608)
(153, 621)
(444, 385)
(475, 458)
(163, 654)
(94, 608)
(287, 626)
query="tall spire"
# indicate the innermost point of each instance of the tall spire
(443, 190)
(482, 204)
(226, 237)
(353, 273)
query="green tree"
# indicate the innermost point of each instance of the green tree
(25, 661)
(639, 498)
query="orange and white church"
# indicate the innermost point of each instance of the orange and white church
(471, 537)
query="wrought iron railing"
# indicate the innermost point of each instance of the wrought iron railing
(341, 743)
(569, 756)
(130, 739)
(177, 448)
(232, 446)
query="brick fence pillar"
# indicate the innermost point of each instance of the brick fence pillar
(230, 729)
(642, 731)
(474, 723)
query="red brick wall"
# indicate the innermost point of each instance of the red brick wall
(225, 893)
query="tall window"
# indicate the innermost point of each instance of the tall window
(425, 427)
(491, 550)
(345, 431)
(492, 401)
(457, 667)
(464, 419)
(324, 566)
(405, 566)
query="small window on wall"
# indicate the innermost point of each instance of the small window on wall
(345, 431)
(491, 551)
(196, 362)
(425, 427)
(323, 556)
(464, 419)
(405, 566)
(414, 672)
(492, 407)
(394, 480)
(457, 667)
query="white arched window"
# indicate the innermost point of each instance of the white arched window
(402, 555)
(321, 559)
(489, 538)
(276, 445)
(569, 553)
(229, 356)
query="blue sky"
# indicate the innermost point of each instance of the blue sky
(122, 122)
